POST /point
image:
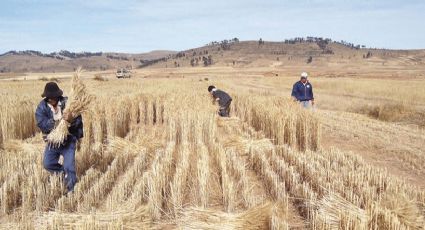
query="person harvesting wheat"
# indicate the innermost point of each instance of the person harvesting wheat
(60, 121)
(223, 99)
(49, 113)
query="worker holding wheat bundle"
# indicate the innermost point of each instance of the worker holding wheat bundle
(60, 121)
(302, 91)
(223, 99)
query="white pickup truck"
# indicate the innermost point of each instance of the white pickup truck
(123, 73)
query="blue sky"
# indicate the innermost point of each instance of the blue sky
(144, 25)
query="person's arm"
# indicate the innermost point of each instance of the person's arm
(45, 123)
(214, 98)
(294, 92)
(312, 96)
(77, 124)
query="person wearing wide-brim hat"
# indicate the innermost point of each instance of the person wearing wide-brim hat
(302, 91)
(48, 114)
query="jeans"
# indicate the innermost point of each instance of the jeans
(51, 161)
(306, 104)
(224, 111)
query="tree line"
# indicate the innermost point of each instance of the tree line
(322, 41)
(61, 55)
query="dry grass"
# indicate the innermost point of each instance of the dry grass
(155, 154)
(258, 217)
(335, 212)
(386, 112)
(404, 210)
(117, 219)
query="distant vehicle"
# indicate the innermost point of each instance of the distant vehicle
(123, 73)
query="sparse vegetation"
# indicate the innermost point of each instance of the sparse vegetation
(43, 78)
(309, 60)
(99, 77)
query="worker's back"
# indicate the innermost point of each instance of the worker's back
(223, 96)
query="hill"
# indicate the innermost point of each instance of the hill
(35, 61)
(312, 52)
(307, 53)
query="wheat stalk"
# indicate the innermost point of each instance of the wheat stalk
(78, 102)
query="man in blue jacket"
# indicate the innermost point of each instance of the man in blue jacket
(48, 114)
(302, 91)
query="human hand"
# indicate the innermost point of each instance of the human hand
(67, 117)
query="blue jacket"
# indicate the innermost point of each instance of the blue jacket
(45, 122)
(302, 92)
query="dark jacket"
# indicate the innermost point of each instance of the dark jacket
(45, 122)
(302, 92)
(225, 99)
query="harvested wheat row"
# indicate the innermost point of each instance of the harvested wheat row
(179, 182)
(280, 215)
(258, 217)
(69, 202)
(9, 194)
(275, 185)
(203, 174)
(158, 179)
(333, 211)
(103, 186)
(123, 188)
(32, 188)
(237, 168)
(228, 186)
(281, 120)
(366, 180)
(144, 191)
(122, 219)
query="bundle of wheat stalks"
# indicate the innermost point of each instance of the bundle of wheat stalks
(77, 103)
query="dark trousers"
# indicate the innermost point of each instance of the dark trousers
(51, 161)
(224, 111)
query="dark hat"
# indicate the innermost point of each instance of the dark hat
(210, 88)
(51, 90)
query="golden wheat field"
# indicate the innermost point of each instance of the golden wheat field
(156, 156)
